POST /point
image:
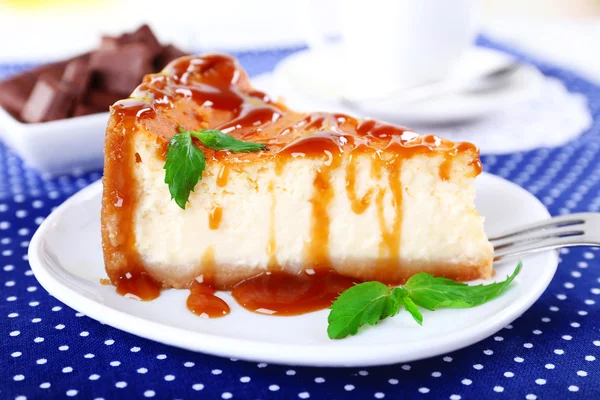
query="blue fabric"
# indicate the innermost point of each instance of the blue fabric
(50, 351)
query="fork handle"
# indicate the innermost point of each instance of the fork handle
(570, 219)
(544, 245)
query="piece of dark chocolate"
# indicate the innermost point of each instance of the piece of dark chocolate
(55, 70)
(102, 100)
(121, 70)
(109, 42)
(76, 77)
(88, 83)
(14, 92)
(48, 101)
(144, 35)
(82, 109)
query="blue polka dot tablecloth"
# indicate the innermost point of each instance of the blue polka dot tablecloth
(49, 350)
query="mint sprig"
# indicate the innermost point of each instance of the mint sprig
(186, 162)
(434, 293)
(371, 302)
(184, 167)
(218, 140)
(366, 303)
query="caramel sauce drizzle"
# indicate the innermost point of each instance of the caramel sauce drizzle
(213, 92)
(392, 238)
(272, 244)
(389, 247)
(446, 165)
(359, 205)
(376, 166)
(223, 176)
(318, 247)
(119, 201)
(202, 300)
(327, 146)
(214, 217)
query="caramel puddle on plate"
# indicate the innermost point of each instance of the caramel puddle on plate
(284, 294)
(202, 300)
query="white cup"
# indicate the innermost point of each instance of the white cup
(388, 45)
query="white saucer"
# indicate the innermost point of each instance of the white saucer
(65, 256)
(309, 79)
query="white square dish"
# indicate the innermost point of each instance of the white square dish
(57, 147)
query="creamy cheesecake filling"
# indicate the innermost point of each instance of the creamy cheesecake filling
(282, 218)
(366, 199)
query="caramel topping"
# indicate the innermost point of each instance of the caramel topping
(214, 217)
(279, 293)
(223, 176)
(208, 267)
(318, 248)
(203, 302)
(119, 202)
(250, 119)
(389, 246)
(446, 166)
(138, 285)
(272, 244)
(213, 92)
(359, 205)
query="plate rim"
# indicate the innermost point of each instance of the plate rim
(338, 355)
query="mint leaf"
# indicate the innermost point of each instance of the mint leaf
(365, 303)
(218, 140)
(184, 167)
(401, 297)
(434, 293)
(371, 302)
(186, 162)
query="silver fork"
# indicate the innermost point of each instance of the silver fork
(582, 229)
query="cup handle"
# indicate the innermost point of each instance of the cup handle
(313, 37)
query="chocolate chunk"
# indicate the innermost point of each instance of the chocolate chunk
(102, 100)
(54, 71)
(109, 42)
(87, 109)
(121, 70)
(76, 77)
(15, 92)
(88, 83)
(168, 54)
(144, 35)
(48, 101)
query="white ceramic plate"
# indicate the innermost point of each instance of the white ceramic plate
(66, 257)
(309, 78)
(78, 140)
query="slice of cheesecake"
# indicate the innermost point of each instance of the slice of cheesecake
(369, 200)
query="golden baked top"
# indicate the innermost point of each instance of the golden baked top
(213, 92)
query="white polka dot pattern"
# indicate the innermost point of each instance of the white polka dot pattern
(50, 351)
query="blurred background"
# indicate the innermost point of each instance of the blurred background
(269, 37)
(46, 27)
